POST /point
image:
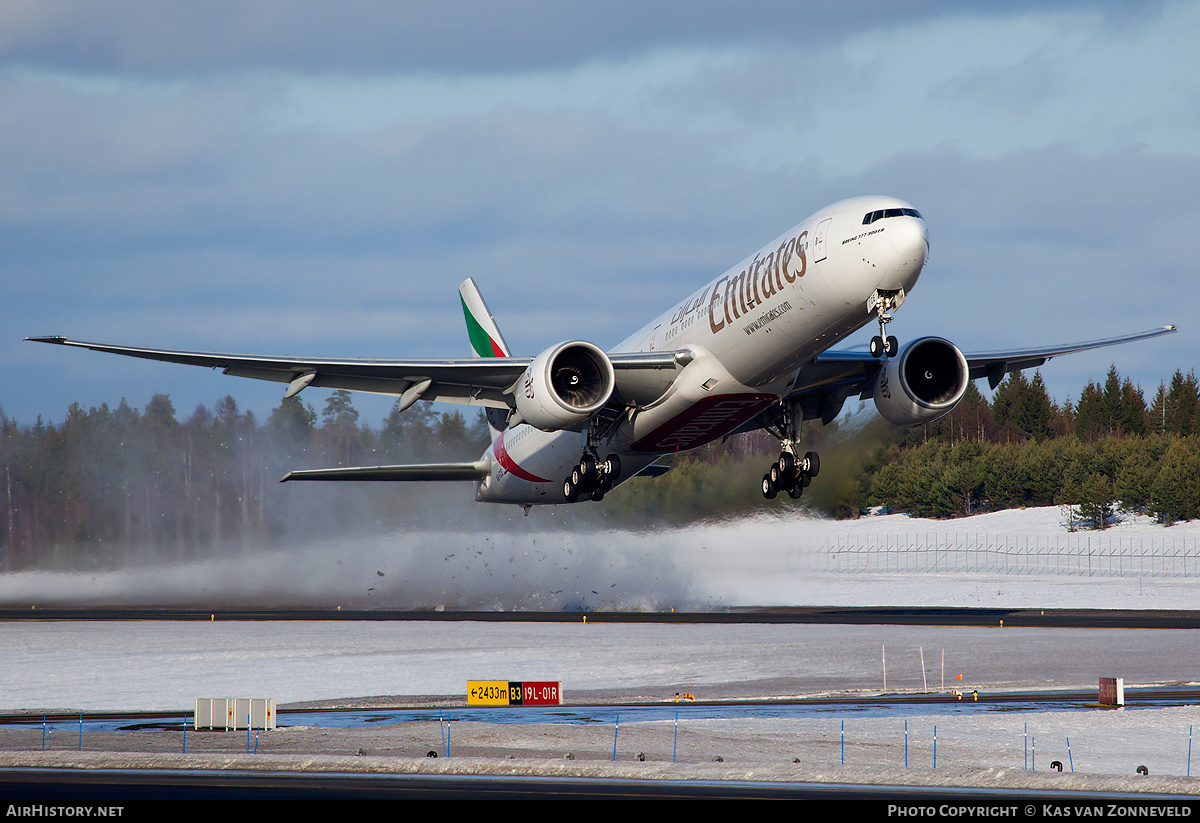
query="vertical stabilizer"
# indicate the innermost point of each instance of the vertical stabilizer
(481, 326)
(486, 340)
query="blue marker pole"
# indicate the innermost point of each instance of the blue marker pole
(1069, 758)
(1033, 750)
(906, 744)
(935, 746)
(43, 732)
(1026, 747)
(675, 746)
(81, 731)
(442, 729)
(185, 733)
(843, 742)
(1189, 768)
(616, 728)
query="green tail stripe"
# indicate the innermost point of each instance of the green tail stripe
(481, 341)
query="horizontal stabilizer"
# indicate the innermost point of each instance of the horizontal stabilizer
(418, 471)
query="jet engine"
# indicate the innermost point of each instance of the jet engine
(924, 381)
(564, 386)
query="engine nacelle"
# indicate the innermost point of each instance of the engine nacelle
(924, 381)
(564, 386)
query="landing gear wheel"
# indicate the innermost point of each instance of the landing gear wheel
(612, 470)
(787, 464)
(598, 495)
(768, 488)
(891, 346)
(813, 461)
(779, 480)
(579, 479)
(877, 347)
(587, 466)
(795, 491)
(570, 490)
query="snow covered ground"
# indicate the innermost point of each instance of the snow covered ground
(768, 561)
(787, 559)
(76, 666)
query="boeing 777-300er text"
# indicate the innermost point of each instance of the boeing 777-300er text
(749, 350)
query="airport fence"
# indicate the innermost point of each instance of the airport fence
(1083, 555)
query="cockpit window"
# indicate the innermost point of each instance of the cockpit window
(880, 214)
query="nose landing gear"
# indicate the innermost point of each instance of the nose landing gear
(883, 303)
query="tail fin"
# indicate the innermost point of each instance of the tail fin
(486, 340)
(481, 326)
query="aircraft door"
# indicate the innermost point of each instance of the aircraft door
(651, 342)
(819, 240)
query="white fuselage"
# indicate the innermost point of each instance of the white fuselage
(747, 333)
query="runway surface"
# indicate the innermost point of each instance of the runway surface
(835, 672)
(153, 665)
(845, 615)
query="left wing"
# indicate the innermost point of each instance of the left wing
(824, 383)
(995, 364)
(476, 381)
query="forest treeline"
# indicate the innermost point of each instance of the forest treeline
(130, 484)
(117, 485)
(1110, 451)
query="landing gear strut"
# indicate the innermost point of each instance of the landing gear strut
(883, 303)
(791, 473)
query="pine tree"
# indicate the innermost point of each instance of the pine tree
(1157, 413)
(1183, 405)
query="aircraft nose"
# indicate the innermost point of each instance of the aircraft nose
(910, 240)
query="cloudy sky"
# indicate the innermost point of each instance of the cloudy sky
(317, 178)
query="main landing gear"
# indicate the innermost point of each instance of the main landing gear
(592, 478)
(790, 474)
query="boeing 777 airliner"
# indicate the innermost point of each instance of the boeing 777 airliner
(749, 350)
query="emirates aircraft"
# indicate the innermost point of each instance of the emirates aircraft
(749, 350)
